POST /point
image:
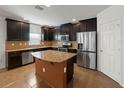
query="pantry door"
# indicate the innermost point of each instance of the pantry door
(110, 51)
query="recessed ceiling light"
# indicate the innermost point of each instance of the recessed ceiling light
(73, 19)
(25, 18)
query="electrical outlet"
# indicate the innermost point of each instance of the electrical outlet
(64, 69)
(43, 69)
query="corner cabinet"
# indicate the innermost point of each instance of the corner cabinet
(49, 34)
(69, 29)
(45, 34)
(17, 30)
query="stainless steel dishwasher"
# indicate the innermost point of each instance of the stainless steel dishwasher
(27, 58)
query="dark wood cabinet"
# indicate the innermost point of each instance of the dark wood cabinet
(68, 29)
(83, 26)
(25, 31)
(54, 33)
(91, 24)
(49, 34)
(73, 33)
(13, 30)
(17, 30)
(14, 60)
(65, 29)
(45, 33)
(88, 25)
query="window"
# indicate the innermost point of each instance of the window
(35, 34)
(35, 39)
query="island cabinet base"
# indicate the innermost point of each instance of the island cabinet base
(55, 74)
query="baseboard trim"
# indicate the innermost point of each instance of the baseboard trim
(3, 70)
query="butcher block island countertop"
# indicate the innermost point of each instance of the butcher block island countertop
(54, 67)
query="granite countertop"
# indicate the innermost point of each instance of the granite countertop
(23, 49)
(53, 56)
(14, 50)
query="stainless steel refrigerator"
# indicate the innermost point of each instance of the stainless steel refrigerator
(86, 56)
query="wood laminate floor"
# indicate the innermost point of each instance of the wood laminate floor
(24, 77)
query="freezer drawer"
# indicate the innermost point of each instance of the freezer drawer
(86, 59)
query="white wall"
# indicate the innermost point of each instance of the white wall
(2, 42)
(111, 13)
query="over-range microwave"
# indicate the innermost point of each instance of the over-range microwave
(64, 38)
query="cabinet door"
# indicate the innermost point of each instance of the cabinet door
(91, 25)
(13, 30)
(45, 34)
(73, 32)
(56, 34)
(53, 34)
(14, 60)
(25, 31)
(50, 34)
(64, 30)
(82, 26)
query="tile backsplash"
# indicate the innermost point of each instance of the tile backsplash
(25, 44)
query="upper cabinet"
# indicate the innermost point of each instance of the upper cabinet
(20, 31)
(50, 33)
(82, 27)
(44, 36)
(56, 33)
(69, 29)
(17, 31)
(91, 24)
(25, 30)
(13, 30)
(65, 29)
(73, 33)
(88, 25)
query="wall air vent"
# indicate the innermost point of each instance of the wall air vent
(38, 7)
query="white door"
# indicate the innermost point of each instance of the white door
(110, 51)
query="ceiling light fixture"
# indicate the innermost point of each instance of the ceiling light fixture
(73, 19)
(25, 18)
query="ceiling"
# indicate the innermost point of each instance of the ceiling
(53, 15)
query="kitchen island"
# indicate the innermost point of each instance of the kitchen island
(54, 67)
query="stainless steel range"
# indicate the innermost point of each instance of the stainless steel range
(65, 46)
(86, 52)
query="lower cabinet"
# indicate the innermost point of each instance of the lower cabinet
(14, 60)
(72, 50)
